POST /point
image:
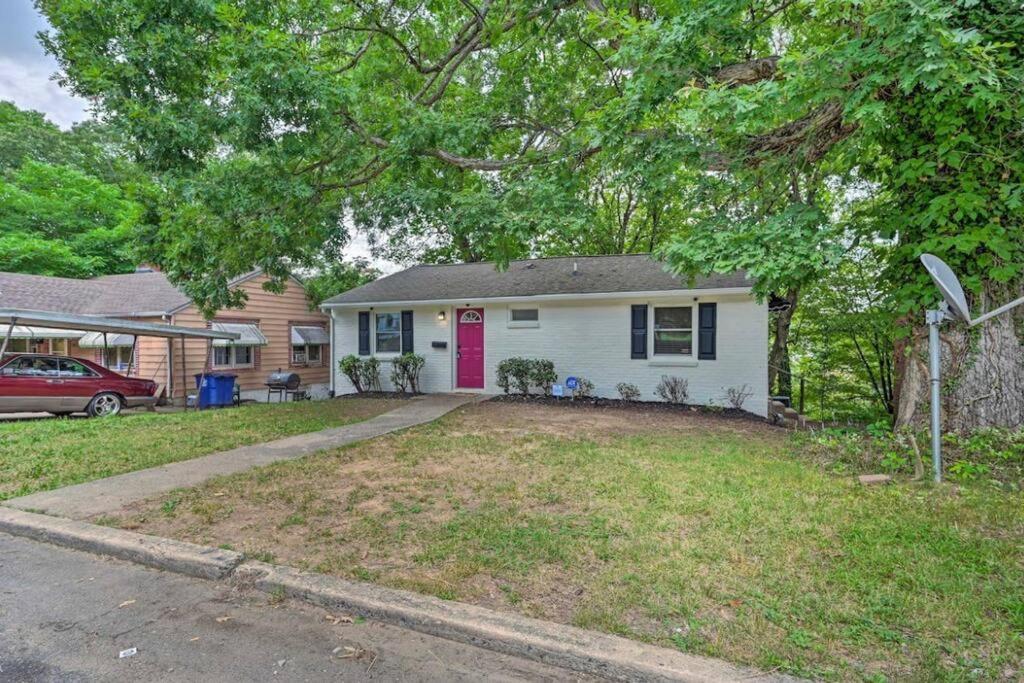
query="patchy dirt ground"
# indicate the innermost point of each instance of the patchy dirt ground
(686, 529)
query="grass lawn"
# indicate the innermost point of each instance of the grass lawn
(696, 532)
(46, 454)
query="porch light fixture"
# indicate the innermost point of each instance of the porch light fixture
(441, 315)
(953, 307)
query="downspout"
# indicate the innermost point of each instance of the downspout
(330, 355)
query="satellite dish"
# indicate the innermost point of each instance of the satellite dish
(949, 285)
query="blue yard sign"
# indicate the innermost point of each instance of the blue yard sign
(557, 390)
(572, 382)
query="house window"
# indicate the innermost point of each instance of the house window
(673, 331)
(307, 344)
(17, 346)
(306, 354)
(59, 347)
(232, 356)
(389, 333)
(523, 317)
(118, 358)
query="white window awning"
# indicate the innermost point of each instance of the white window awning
(303, 335)
(248, 335)
(27, 332)
(94, 340)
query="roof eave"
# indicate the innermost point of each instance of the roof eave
(657, 294)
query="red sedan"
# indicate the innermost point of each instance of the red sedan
(63, 385)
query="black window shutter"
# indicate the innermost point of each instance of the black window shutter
(638, 328)
(707, 324)
(364, 333)
(406, 331)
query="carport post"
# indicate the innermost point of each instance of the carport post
(106, 354)
(184, 371)
(10, 331)
(131, 356)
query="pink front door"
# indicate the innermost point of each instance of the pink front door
(469, 348)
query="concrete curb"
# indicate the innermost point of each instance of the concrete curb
(559, 645)
(152, 551)
(550, 643)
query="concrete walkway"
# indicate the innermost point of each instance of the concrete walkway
(113, 493)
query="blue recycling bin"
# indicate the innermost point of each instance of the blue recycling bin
(215, 389)
(225, 389)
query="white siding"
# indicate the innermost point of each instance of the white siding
(591, 338)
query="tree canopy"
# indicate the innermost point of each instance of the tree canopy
(769, 135)
(66, 205)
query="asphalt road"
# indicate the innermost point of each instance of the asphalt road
(67, 615)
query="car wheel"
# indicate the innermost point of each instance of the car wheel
(104, 405)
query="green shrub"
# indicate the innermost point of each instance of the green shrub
(405, 372)
(369, 374)
(542, 375)
(351, 367)
(514, 373)
(584, 388)
(628, 392)
(364, 373)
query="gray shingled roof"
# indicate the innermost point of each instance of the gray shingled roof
(534, 277)
(134, 293)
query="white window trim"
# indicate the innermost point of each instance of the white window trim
(307, 362)
(373, 336)
(671, 359)
(523, 323)
(233, 363)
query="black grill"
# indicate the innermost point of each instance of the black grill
(288, 381)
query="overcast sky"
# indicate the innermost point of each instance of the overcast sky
(26, 78)
(26, 72)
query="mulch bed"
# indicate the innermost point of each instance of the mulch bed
(380, 394)
(595, 403)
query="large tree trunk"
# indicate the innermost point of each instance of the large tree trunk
(982, 376)
(779, 379)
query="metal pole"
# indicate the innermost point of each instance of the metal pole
(131, 355)
(933, 319)
(184, 374)
(106, 352)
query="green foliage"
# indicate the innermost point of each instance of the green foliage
(542, 375)
(364, 373)
(55, 220)
(351, 367)
(369, 374)
(991, 455)
(335, 276)
(522, 373)
(405, 372)
(842, 341)
(514, 373)
(68, 199)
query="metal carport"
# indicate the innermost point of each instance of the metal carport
(9, 317)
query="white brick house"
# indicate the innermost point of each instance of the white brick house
(609, 319)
